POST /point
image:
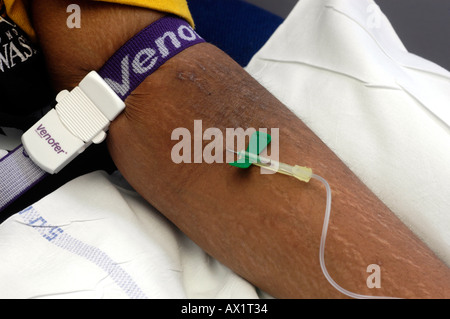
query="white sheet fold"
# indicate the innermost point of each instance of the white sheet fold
(95, 239)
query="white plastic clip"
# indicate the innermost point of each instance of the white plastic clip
(81, 117)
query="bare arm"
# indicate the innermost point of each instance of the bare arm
(266, 228)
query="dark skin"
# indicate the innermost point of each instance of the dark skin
(265, 227)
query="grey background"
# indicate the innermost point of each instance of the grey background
(423, 25)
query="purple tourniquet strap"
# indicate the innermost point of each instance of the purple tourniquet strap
(18, 175)
(124, 71)
(146, 52)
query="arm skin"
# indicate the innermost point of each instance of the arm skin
(265, 227)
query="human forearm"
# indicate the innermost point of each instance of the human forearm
(267, 228)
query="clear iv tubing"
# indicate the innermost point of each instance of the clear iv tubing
(305, 174)
(322, 247)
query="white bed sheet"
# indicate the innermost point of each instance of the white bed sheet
(96, 238)
(381, 109)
